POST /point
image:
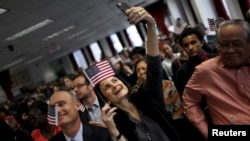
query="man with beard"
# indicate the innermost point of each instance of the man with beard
(86, 94)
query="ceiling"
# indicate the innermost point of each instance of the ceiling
(72, 24)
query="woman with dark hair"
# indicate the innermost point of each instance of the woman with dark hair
(141, 115)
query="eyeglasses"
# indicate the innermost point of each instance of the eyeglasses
(79, 85)
(235, 45)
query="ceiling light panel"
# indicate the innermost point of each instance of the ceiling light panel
(59, 33)
(3, 10)
(29, 30)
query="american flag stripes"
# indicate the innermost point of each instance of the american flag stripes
(99, 71)
(82, 108)
(52, 115)
(212, 25)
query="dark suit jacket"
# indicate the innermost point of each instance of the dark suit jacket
(84, 116)
(90, 133)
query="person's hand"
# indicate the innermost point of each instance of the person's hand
(138, 14)
(141, 80)
(24, 116)
(107, 116)
(95, 123)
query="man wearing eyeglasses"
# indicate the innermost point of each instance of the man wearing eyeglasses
(86, 94)
(224, 81)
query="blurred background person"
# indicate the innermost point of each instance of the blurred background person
(91, 101)
(68, 81)
(168, 58)
(38, 117)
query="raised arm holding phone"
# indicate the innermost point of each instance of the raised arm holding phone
(141, 115)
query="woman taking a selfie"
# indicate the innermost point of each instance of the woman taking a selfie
(141, 115)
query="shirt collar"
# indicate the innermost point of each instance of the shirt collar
(78, 135)
(95, 104)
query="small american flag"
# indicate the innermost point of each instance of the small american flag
(212, 25)
(52, 115)
(82, 108)
(99, 72)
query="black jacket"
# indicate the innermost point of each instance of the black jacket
(148, 100)
(90, 133)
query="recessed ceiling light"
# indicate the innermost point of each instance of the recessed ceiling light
(35, 59)
(2, 10)
(86, 36)
(59, 32)
(30, 29)
(76, 34)
(14, 63)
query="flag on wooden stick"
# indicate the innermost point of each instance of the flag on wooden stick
(99, 71)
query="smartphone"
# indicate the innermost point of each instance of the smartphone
(123, 6)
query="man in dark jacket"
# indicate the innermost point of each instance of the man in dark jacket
(70, 122)
(193, 43)
(92, 102)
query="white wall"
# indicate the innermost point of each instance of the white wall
(186, 8)
(123, 36)
(42, 71)
(105, 47)
(55, 66)
(233, 9)
(174, 10)
(204, 9)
